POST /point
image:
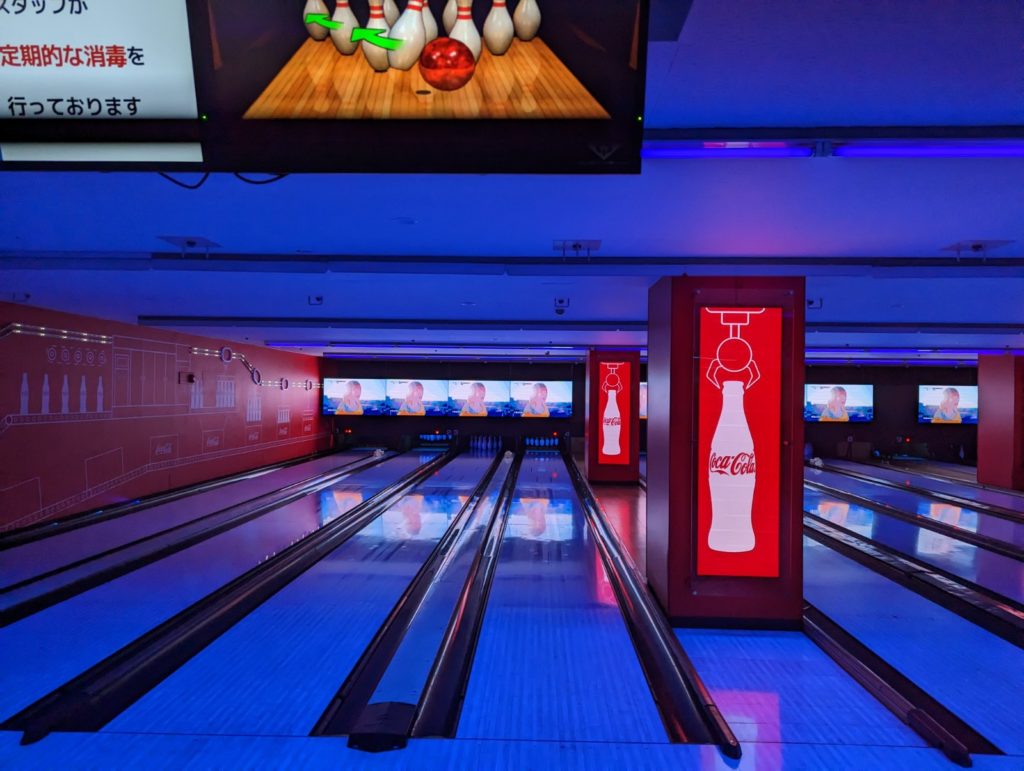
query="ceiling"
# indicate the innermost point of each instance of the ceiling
(469, 259)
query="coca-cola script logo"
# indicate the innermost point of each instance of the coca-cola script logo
(163, 449)
(733, 465)
(613, 421)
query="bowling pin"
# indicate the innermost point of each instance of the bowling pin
(316, 31)
(498, 28)
(342, 37)
(409, 29)
(391, 12)
(451, 10)
(429, 23)
(464, 30)
(526, 19)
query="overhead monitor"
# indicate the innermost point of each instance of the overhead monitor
(947, 404)
(541, 398)
(838, 403)
(313, 86)
(417, 398)
(479, 398)
(363, 396)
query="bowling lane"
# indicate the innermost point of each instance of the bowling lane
(922, 506)
(34, 559)
(990, 496)
(276, 670)
(994, 572)
(554, 661)
(954, 471)
(975, 674)
(39, 655)
(775, 687)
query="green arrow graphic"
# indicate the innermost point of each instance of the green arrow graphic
(375, 37)
(323, 20)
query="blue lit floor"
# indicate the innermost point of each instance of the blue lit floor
(790, 706)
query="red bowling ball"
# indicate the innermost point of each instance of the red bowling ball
(447, 64)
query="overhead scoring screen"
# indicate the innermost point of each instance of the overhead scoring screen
(315, 85)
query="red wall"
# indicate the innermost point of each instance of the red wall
(141, 431)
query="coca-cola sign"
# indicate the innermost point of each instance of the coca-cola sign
(733, 465)
(613, 406)
(739, 400)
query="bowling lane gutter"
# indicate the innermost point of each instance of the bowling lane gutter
(92, 699)
(924, 714)
(975, 539)
(24, 535)
(999, 615)
(687, 708)
(377, 727)
(209, 525)
(440, 705)
(983, 508)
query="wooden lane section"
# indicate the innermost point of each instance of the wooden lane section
(529, 81)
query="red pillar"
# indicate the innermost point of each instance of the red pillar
(613, 416)
(1001, 421)
(724, 449)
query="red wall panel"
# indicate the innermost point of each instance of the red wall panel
(609, 371)
(1001, 420)
(92, 412)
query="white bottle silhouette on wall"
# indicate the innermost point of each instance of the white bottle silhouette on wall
(732, 468)
(83, 405)
(611, 422)
(99, 395)
(65, 397)
(24, 393)
(732, 464)
(46, 395)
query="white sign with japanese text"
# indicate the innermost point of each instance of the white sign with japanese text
(95, 59)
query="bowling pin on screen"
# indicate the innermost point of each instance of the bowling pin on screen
(364, 396)
(541, 398)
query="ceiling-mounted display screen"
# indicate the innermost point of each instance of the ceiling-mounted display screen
(479, 398)
(832, 403)
(947, 404)
(319, 85)
(365, 396)
(541, 398)
(411, 398)
(95, 59)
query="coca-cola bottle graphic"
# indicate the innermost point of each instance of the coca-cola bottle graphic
(732, 472)
(611, 422)
(732, 463)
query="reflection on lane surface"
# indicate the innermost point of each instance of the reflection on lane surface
(275, 671)
(962, 517)
(114, 614)
(554, 660)
(994, 572)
